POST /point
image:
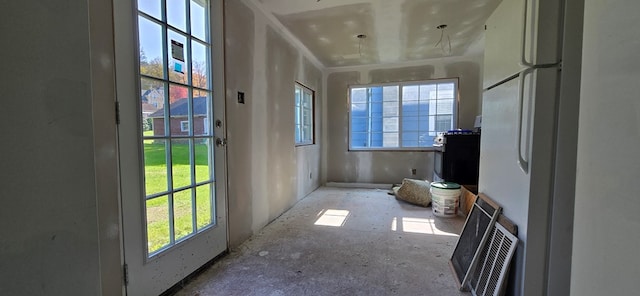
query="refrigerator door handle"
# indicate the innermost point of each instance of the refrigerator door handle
(522, 162)
(523, 53)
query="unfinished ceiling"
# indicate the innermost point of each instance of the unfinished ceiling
(396, 30)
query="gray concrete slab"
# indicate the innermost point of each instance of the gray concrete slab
(376, 246)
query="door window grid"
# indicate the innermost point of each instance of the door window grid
(181, 82)
(401, 115)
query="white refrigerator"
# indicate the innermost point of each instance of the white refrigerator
(521, 80)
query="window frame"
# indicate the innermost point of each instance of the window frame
(400, 85)
(299, 109)
(184, 126)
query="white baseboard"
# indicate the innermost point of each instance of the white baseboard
(359, 185)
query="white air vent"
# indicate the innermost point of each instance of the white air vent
(491, 271)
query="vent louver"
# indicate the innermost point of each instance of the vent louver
(491, 271)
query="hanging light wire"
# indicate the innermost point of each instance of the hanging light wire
(442, 44)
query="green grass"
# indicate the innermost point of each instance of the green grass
(156, 182)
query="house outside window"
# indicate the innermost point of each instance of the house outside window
(304, 110)
(401, 116)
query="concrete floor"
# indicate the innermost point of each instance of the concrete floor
(340, 241)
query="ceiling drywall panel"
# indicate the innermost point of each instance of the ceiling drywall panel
(331, 34)
(397, 30)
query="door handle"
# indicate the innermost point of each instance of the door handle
(522, 162)
(523, 56)
(221, 142)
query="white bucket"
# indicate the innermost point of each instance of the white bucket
(444, 198)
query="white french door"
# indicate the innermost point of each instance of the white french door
(170, 88)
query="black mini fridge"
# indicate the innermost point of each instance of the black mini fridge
(457, 159)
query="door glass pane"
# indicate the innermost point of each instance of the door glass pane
(204, 196)
(178, 57)
(155, 167)
(179, 110)
(204, 163)
(177, 14)
(181, 163)
(199, 20)
(199, 65)
(151, 8)
(182, 214)
(152, 106)
(158, 233)
(202, 114)
(150, 37)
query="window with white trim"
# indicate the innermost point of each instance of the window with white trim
(184, 126)
(404, 115)
(304, 115)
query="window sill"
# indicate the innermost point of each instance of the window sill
(421, 149)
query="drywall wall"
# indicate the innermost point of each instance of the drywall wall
(388, 166)
(605, 233)
(267, 173)
(59, 215)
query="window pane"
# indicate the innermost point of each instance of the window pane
(390, 93)
(359, 140)
(178, 57)
(445, 106)
(177, 14)
(376, 95)
(202, 114)
(390, 140)
(444, 123)
(410, 139)
(376, 140)
(181, 163)
(410, 108)
(199, 19)
(179, 109)
(204, 210)
(410, 93)
(426, 139)
(151, 7)
(182, 214)
(155, 167)
(390, 109)
(428, 91)
(307, 132)
(390, 124)
(410, 124)
(152, 107)
(204, 161)
(359, 124)
(200, 65)
(158, 233)
(358, 95)
(376, 109)
(150, 38)
(446, 91)
(306, 116)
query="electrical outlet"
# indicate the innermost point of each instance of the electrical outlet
(240, 97)
(413, 172)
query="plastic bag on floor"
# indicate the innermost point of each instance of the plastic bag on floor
(414, 191)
